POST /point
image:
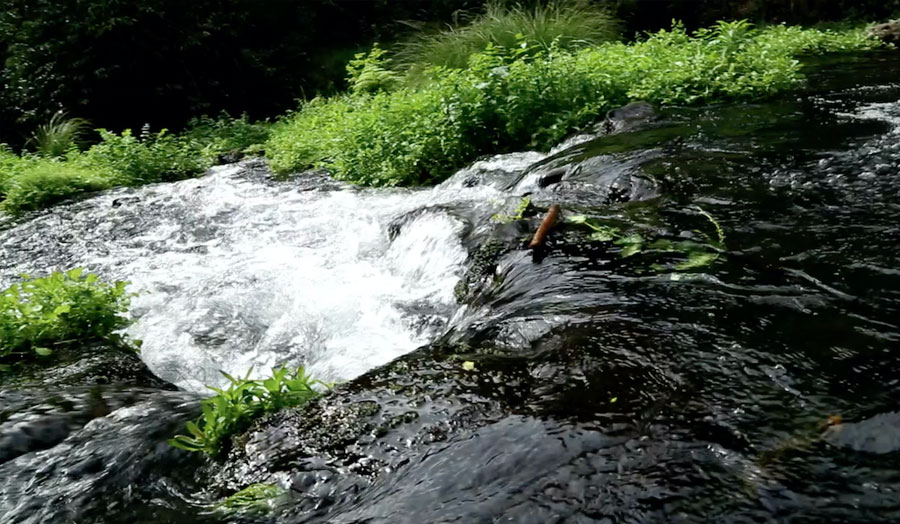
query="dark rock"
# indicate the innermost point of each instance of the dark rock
(626, 118)
(231, 157)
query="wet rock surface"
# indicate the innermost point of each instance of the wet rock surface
(586, 385)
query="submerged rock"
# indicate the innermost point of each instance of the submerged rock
(879, 434)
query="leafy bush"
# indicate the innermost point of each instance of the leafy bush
(58, 136)
(42, 183)
(528, 96)
(232, 409)
(40, 314)
(569, 24)
(406, 137)
(226, 135)
(11, 166)
(369, 73)
(33, 182)
(159, 157)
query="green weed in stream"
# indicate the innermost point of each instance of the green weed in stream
(39, 315)
(695, 253)
(232, 409)
(255, 498)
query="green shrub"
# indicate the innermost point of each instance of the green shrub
(159, 157)
(570, 24)
(58, 136)
(406, 137)
(11, 166)
(42, 183)
(40, 314)
(227, 135)
(369, 72)
(528, 96)
(232, 409)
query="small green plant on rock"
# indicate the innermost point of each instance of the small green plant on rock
(232, 409)
(517, 215)
(39, 315)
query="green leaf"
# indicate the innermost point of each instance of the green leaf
(194, 429)
(44, 352)
(697, 259)
(605, 235)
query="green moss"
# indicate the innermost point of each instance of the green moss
(481, 268)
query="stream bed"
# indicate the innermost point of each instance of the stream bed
(727, 347)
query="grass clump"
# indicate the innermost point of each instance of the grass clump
(39, 315)
(59, 135)
(529, 96)
(569, 25)
(232, 409)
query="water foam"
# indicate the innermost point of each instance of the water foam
(234, 271)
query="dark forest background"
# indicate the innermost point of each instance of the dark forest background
(122, 63)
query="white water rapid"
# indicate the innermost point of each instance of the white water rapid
(233, 271)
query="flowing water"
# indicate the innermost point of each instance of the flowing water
(605, 388)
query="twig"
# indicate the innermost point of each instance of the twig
(541, 234)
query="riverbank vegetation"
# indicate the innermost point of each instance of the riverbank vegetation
(41, 315)
(510, 78)
(526, 96)
(37, 180)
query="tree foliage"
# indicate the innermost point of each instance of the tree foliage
(121, 63)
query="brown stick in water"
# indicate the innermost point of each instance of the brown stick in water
(541, 234)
